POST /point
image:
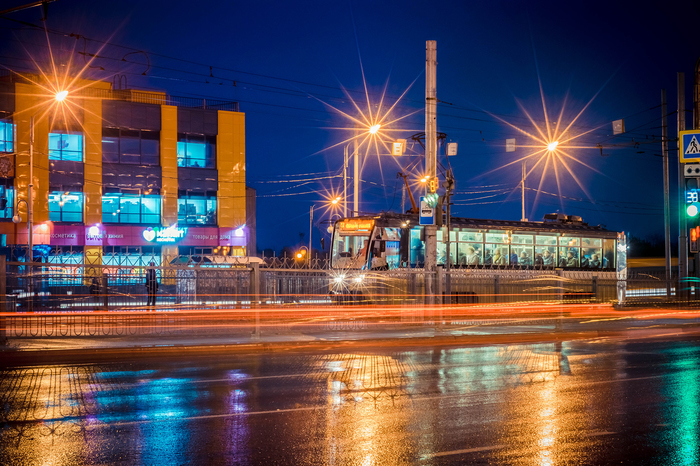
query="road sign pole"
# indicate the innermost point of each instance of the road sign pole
(682, 224)
(667, 204)
(430, 162)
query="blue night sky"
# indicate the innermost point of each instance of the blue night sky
(288, 58)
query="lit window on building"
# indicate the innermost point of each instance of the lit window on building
(6, 136)
(193, 209)
(136, 147)
(66, 146)
(66, 206)
(196, 151)
(7, 201)
(131, 208)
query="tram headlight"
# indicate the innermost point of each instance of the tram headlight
(359, 279)
(339, 279)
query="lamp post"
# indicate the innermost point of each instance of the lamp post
(356, 180)
(311, 223)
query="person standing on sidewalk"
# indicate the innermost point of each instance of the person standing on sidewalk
(151, 284)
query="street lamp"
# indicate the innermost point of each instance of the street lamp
(552, 146)
(61, 96)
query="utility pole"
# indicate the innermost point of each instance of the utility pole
(311, 224)
(430, 162)
(667, 205)
(345, 181)
(522, 192)
(696, 125)
(356, 179)
(682, 224)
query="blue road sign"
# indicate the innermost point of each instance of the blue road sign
(427, 213)
(690, 146)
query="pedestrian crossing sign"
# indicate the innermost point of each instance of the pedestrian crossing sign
(690, 146)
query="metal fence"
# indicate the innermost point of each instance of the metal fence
(201, 300)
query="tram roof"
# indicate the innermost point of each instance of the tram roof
(556, 226)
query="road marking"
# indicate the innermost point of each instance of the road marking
(461, 452)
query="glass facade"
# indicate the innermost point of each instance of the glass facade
(196, 210)
(196, 151)
(131, 208)
(8, 194)
(66, 206)
(66, 146)
(6, 136)
(137, 147)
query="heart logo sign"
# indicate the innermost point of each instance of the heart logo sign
(149, 235)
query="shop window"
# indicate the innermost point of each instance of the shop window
(66, 146)
(135, 147)
(66, 206)
(6, 136)
(131, 208)
(7, 201)
(196, 151)
(196, 210)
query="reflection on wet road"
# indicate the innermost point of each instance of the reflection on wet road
(546, 404)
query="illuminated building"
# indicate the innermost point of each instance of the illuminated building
(122, 173)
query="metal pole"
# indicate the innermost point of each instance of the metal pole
(30, 219)
(356, 193)
(682, 224)
(448, 266)
(345, 181)
(430, 159)
(667, 205)
(522, 193)
(311, 222)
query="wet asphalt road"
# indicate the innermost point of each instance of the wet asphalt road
(585, 402)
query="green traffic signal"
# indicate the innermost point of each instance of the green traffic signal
(692, 210)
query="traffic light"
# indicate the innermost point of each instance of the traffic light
(433, 185)
(439, 219)
(695, 239)
(431, 199)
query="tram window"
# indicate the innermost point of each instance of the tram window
(517, 238)
(569, 241)
(568, 257)
(608, 259)
(470, 254)
(417, 249)
(591, 253)
(496, 254)
(546, 240)
(497, 237)
(470, 236)
(546, 256)
(523, 254)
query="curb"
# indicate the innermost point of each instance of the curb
(105, 355)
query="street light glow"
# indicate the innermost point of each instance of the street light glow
(61, 96)
(373, 129)
(552, 146)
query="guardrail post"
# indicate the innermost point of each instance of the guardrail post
(496, 288)
(594, 287)
(255, 298)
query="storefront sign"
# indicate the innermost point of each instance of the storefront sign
(171, 234)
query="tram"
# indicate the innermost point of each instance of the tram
(379, 245)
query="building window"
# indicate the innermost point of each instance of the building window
(6, 136)
(136, 147)
(7, 201)
(66, 206)
(196, 151)
(195, 209)
(66, 146)
(130, 208)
